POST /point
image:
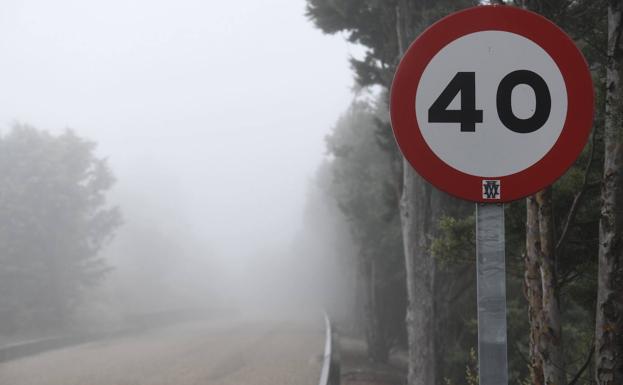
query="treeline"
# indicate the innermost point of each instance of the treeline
(53, 222)
(416, 248)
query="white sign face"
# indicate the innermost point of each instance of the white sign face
(491, 103)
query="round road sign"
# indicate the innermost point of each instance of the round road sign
(492, 104)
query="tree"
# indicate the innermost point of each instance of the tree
(54, 221)
(386, 28)
(361, 173)
(609, 320)
(421, 206)
(543, 242)
(553, 258)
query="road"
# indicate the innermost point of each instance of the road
(237, 351)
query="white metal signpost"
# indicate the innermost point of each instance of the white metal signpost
(492, 104)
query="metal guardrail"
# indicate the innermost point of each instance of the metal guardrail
(330, 374)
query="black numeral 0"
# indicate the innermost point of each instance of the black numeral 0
(541, 93)
(468, 115)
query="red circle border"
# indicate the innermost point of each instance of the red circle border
(554, 41)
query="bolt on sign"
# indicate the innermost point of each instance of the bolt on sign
(492, 104)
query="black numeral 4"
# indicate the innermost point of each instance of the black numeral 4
(468, 115)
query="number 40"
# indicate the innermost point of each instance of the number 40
(468, 115)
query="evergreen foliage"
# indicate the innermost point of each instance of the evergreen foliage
(575, 197)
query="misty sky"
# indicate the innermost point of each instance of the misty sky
(212, 113)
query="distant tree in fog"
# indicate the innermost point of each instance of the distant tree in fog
(363, 189)
(53, 222)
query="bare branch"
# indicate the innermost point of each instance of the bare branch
(583, 368)
(577, 199)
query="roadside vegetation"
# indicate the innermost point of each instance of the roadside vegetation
(415, 287)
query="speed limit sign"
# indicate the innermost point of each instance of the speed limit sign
(492, 104)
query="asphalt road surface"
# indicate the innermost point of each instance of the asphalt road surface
(237, 351)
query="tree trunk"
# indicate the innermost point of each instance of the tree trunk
(416, 220)
(609, 317)
(541, 286)
(550, 340)
(415, 214)
(547, 364)
(532, 288)
(378, 349)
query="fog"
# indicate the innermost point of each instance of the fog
(212, 117)
(210, 192)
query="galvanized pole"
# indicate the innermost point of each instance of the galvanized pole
(491, 277)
